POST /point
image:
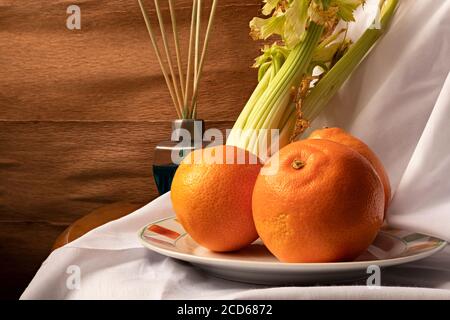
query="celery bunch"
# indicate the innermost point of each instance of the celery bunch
(299, 74)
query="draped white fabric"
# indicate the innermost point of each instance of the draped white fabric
(398, 102)
(114, 265)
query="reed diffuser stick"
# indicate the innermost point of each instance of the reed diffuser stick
(202, 59)
(197, 38)
(186, 102)
(168, 55)
(191, 46)
(158, 56)
(177, 47)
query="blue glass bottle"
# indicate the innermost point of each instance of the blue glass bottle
(186, 136)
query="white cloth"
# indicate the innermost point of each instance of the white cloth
(114, 265)
(398, 102)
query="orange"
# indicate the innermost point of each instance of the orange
(212, 197)
(324, 204)
(340, 136)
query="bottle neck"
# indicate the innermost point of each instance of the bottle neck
(185, 129)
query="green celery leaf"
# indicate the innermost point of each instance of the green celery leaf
(269, 6)
(269, 53)
(296, 19)
(264, 28)
(327, 53)
(346, 8)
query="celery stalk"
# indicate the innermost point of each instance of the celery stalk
(288, 76)
(308, 31)
(260, 89)
(327, 87)
(274, 101)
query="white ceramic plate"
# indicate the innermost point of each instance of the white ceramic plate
(255, 264)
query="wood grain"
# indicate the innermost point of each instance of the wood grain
(107, 70)
(81, 111)
(57, 171)
(93, 220)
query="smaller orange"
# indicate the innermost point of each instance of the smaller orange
(341, 136)
(212, 197)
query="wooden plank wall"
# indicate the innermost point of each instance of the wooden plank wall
(81, 111)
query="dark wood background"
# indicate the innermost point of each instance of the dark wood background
(81, 111)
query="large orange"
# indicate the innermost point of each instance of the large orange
(212, 197)
(325, 203)
(340, 136)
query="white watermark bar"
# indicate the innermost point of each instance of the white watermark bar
(73, 281)
(73, 21)
(267, 142)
